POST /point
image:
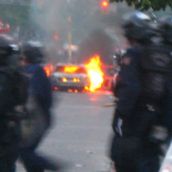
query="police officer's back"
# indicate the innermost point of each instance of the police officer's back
(39, 88)
(39, 83)
(10, 98)
(165, 31)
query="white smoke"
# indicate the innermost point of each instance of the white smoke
(76, 19)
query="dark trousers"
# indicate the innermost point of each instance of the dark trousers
(32, 161)
(148, 162)
(146, 165)
(7, 162)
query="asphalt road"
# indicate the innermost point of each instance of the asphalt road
(80, 133)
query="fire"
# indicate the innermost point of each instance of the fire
(48, 68)
(70, 69)
(95, 73)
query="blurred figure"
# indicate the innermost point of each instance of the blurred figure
(11, 99)
(39, 94)
(126, 90)
(141, 91)
(165, 30)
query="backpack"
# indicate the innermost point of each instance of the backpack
(155, 73)
(156, 64)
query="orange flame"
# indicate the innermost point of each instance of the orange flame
(48, 68)
(95, 73)
(70, 69)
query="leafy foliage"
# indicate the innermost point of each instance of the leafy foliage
(147, 4)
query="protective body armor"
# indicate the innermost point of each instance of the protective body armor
(11, 95)
(155, 72)
(156, 65)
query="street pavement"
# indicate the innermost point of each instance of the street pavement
(80, 132)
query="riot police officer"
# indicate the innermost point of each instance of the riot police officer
(140, 93)
(11, 99)
(39, 90)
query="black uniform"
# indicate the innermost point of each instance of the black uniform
(144, 94)
(12, 95)
(39, 88)
(127, 92)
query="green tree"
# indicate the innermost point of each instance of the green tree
(147, 4)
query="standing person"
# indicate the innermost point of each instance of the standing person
(165, 31)
(39, 89)
(141, 93)
(11, 99)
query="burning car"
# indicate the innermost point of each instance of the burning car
(70, 76)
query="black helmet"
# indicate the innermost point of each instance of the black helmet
(8, 48)
(137, 26)
(165, 29)
(33, 51)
